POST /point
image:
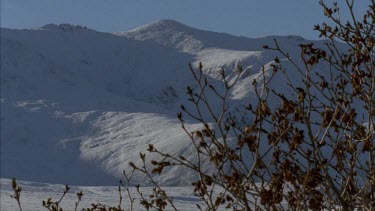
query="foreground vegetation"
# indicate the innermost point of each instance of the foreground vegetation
(314, 149)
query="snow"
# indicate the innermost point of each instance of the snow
(33, 193)
(77, 105)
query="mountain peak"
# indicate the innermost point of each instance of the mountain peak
(168, 22)
(161, 25)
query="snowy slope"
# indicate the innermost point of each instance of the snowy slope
(220, 50)
(57, 83)
(77, 105)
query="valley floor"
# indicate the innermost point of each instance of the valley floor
(34, 193)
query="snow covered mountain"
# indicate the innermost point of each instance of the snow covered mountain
(173, 34)
(77, 105)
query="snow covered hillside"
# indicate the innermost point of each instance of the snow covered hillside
(77, 105)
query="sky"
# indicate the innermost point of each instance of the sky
(250, 18)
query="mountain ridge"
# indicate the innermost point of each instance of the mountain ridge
(188, 39)
(77, 101)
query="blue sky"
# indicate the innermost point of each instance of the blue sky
(251, 18)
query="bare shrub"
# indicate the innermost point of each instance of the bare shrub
(312, 148)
